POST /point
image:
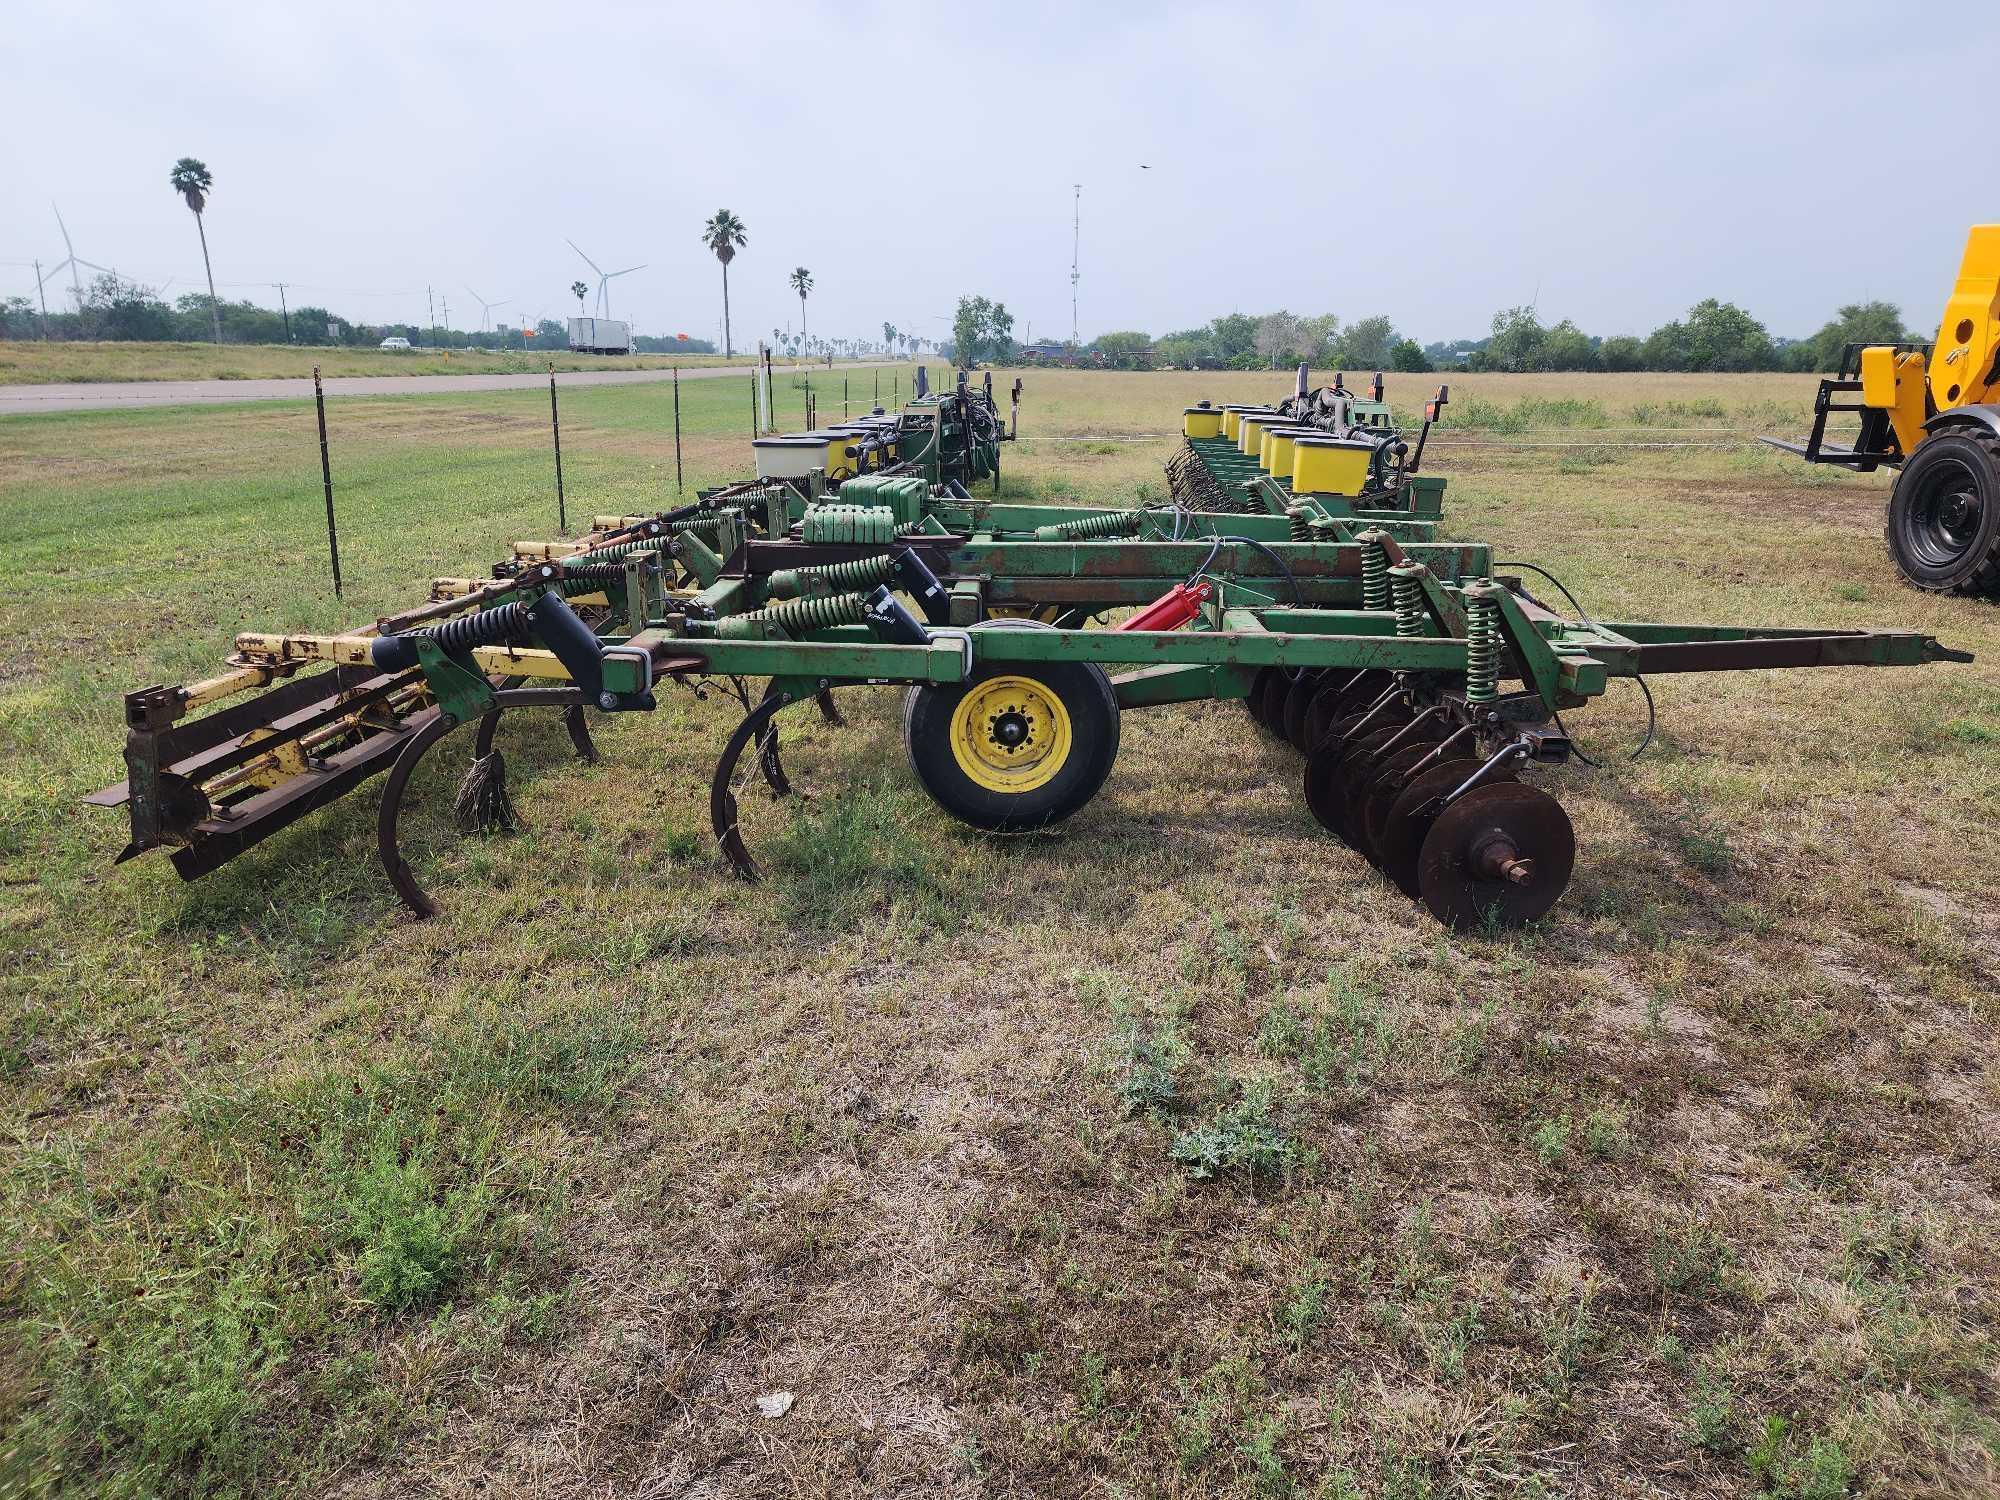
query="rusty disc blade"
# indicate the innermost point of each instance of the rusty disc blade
(1298, 702)
(1365, 765)
(1403, 832)
(1271, 713)
(1503, 824)
(1357, 759)
(1334, 700)
(1253, 701)
(1384, 786)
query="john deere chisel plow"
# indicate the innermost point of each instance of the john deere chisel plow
(1419, 685)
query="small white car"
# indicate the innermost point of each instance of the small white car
(395, 343)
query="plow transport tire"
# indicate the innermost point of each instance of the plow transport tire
(1944, 514)
(1019, 746)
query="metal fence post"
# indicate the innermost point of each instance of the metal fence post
(326, 479)
(555, 426)
(677, 429)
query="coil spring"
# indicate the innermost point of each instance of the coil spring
(588, 578)
(710, 527)
(506, 625)
(1299, 519)
(849, 573)
(821, 612)
(1374, 575)
(1482, 650)
(1409, 602)
(615, 550)
(1111, 523)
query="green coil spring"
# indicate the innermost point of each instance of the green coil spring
(1482, 649)
(1374, 574)
(614, 550)
(710, 527)
(850, 573)
(1087, 528)
(821, 612)
(1409, 601)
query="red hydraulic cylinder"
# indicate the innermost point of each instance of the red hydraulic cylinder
(1172, 609)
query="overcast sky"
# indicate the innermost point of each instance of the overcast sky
(1613, 162)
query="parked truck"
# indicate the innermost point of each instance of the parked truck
(599, 336)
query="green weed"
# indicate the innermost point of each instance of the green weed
(1241, 1137)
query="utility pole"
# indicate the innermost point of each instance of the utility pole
(1075, 243)
(42, 292)
(431, 312)
(447, 313)
(286, 311)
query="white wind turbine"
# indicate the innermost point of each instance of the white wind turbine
(603, 279)
(486, 308)
(72, 263)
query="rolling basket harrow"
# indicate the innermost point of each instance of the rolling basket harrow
(1418, 679)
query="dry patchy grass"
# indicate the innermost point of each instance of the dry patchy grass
(1170, 1154)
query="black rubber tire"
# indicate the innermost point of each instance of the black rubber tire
(1084, 691)
(1931, 553)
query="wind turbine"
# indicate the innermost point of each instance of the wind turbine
(485, 308)
(603, 279)
(71, 264)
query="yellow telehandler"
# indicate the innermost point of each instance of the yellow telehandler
(1933, 414)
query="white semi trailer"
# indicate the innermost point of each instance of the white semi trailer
(599, 336)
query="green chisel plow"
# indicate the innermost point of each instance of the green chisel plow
(1420, 682)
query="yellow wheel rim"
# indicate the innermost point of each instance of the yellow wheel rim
(1010, 734)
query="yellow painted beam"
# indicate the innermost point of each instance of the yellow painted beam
(254, 648)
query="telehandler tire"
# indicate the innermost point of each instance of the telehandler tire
(1944, 514)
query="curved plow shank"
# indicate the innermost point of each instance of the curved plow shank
(389, 816)
(721, 787)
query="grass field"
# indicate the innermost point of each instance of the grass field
(25, 363)
(1691, 1190)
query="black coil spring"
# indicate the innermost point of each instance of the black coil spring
(1299, 519)
(505, 626)
(586, 578)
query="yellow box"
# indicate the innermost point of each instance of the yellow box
(1277, 449)
(1250, 431)
(1201, 422)
(1327, 465)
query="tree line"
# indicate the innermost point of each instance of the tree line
(114, 310)
(1712, 336)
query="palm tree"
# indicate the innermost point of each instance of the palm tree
(802, 282)
(889, 335)
(191, 179)
(579, 291)
(725, 235)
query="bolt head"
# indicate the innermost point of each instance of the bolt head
(607, 701)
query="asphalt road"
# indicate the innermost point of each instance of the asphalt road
(101, 395)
